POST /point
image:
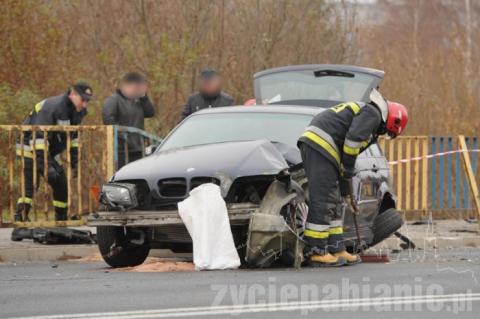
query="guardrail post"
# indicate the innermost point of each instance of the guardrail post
(470, 176)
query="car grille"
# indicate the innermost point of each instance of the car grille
(197, 181)
(172, 187)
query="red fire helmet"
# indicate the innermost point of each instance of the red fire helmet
(397, 119)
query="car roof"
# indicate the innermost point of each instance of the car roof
(282, 109)
(305, 67)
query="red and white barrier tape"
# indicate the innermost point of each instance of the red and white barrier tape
(419, 158)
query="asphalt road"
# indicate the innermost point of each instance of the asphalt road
(439, 284)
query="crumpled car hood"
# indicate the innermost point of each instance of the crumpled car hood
(234, 159)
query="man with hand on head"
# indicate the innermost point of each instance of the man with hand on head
(129, 106)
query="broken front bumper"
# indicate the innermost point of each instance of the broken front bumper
(239, 214)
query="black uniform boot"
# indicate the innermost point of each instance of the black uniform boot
(21, 213)
(60, 214)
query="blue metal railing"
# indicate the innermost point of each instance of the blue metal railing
(125, 131)
(448, 186)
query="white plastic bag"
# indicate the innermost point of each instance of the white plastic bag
(205, 215)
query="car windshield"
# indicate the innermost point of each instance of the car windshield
(304, 85)
(227, 127)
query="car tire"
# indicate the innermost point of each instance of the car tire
(385, 224)
(128, 254)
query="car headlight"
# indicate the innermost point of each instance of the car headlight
(120, 194)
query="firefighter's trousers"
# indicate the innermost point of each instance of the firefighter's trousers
(56, 179)
(324, 227)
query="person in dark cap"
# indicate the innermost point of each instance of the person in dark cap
(66, 109)
(129, 106)
(209, 94)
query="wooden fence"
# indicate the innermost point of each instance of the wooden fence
(410, 178)
(429, 174)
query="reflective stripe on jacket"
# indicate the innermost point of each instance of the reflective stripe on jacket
(343, 131)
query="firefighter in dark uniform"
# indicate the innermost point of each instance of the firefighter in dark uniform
(329, 148)
(66, 109)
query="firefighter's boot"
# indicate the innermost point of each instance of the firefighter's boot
(60, 214)
(21, 213)
(326, 260)
(351, 259)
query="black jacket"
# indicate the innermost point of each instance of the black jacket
(197, 101)
(57, 110)
(119, 110)
(346, 129)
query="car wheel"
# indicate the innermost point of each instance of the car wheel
(385, 225)
(116, 244)
(295, 215)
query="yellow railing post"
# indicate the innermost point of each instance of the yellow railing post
(416, 174)
(467, 165)
(408, 173)
(34, 173)
(11, 142)
(425, 175)
(110, 151)
(69, 176)
(79, 173)
(399, 188)
(45, 173)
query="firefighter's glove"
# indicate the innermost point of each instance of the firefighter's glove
(53, 174)
(344, 184)
(348, 173)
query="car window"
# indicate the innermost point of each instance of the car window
(303, 85)
(226, 127)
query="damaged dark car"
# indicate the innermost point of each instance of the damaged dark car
(250, 152)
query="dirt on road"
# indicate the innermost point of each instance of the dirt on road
(152, 264)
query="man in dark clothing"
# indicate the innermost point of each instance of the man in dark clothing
(66, 109)
(329, 148)
(210, 94)
(129, 106)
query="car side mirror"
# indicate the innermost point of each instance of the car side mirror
(149, 150)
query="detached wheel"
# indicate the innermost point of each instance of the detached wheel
(122, 247)
(385, 225)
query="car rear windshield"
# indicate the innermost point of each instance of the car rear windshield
(227, 127)
(304, 85)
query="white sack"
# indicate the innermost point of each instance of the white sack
(205, 215)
